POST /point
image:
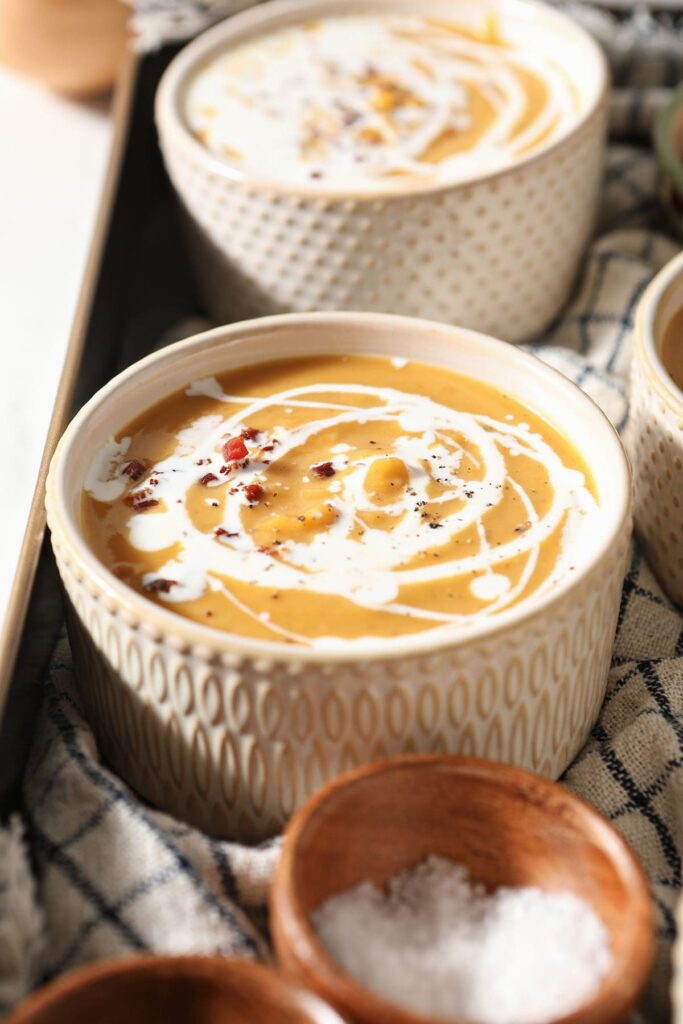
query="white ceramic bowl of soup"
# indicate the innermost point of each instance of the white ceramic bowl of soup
(233, 732)
(494, 246)
(655, 430)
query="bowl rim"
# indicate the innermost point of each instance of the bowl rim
(165, 622)
(173, 130)
(190, 965)
(646, 346)
(671, 161)
(292, 927)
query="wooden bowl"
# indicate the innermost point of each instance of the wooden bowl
(73, 46)
(174, 990)
(508, 826)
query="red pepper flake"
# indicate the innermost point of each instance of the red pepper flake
(202, 462)
(250, 433)
(323, 469)
(349, 116)
(153, 481)
(135, 469)
(208, 478)
(139, 500)
(235, 449)
(264, 550)
(224, 470)
(160, 586)
(254, 492)
(268, 447)
(222, 532)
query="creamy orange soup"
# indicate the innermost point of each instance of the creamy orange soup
(380, 99)
(328, 498)
(672, 349)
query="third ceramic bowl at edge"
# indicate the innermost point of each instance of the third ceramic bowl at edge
(234, 734)
(655, 432)
(496, 253)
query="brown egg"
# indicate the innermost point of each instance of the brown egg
(73, 46)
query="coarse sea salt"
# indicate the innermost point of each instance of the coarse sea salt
(435, 944)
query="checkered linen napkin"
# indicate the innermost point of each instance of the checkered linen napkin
(115, 877)
(643, 47)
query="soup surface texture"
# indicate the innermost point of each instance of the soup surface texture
(672, 348)
(378, 101)
(338, 497)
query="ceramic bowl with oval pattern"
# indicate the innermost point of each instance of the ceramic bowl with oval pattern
(234, 734)
(497, 253)
(655, 432)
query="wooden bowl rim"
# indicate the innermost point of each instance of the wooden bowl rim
(195, 966)
(291, 927)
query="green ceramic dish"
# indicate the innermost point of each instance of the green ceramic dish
(668, 141)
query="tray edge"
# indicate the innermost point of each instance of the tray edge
(27, 564)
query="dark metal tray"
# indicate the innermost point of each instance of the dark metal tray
(137, 287)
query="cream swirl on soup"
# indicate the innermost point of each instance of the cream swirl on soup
(341, 497)
(376, 100)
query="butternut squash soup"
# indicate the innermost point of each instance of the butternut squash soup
(379, 99)
(343, 497)
(672, 349)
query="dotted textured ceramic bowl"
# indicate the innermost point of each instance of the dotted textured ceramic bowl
(497, 253)
(234, 734)
(655, 438)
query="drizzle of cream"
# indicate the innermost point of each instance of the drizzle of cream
(490, 586)
(105, 479)
(253, 104)
(368, 570)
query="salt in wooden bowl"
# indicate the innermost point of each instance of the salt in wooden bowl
(507, 826)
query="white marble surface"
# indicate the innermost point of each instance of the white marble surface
(52, 162)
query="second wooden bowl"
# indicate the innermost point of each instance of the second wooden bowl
(173, 990)
(507, 826)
